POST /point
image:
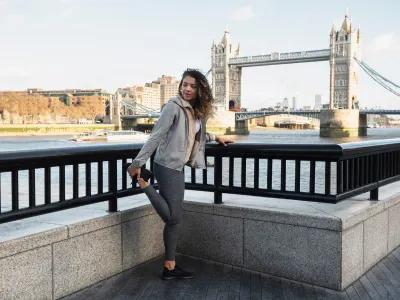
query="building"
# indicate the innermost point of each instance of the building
(226, 79)
(344, 45)
(147, 95)
(168, 88)
(77, 96)
(294, 103)
(152, 96)
(318, 102)
(74, 96)
(285, 103)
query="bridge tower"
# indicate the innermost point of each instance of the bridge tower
(343, 118)
(225, 78)
(344, 71)
(116, 111)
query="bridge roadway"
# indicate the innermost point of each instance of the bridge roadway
(276, 58)
(241, 116)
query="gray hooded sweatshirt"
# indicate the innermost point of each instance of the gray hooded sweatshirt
(170, 137)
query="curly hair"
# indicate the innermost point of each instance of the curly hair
(203, 104)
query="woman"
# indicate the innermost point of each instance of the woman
(179, 137)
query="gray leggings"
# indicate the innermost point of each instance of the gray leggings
(168, 204)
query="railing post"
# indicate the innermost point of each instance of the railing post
(374, 194)
(218, 179)
(112, 185)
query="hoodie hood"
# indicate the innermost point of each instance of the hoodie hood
(182, 103)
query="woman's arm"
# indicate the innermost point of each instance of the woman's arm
(220, 139)
(162, 126)
(224, 140)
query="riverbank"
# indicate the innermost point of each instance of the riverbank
(50, 129)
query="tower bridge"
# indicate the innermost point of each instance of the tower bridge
(227, 64)
(345, 62)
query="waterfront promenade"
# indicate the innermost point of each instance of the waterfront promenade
(330, 237)
(223, 281)
(219, 281)
(90, 260)
(13, 130)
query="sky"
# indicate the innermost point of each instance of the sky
(58, 44)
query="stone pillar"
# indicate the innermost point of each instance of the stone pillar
(116, 119)
(362, 129)
(337, 123)
(242, 127)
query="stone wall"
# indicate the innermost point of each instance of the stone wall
(322, 250)
(42, 259)
(53, 255)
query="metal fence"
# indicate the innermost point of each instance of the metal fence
(76, 176)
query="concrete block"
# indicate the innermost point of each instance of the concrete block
(94, 224)
(137, 212)
(391, 192)
(213, 237)
(300, 253)
(318, 220)
(352, 254)
(368, 209)
(375, 239)
(198, 207)
(142, 239)
(24, 235)
(27, 275)
(80, 220)
(86, 259)
(394, 227)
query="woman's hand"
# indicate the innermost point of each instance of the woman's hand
(135, 172)
(223, 140)
(132, 171)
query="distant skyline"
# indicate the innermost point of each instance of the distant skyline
(58, 44)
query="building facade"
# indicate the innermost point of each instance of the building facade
(77, 96)
(168, 88)
(152, 96)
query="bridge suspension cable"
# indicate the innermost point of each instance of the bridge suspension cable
(381, 80)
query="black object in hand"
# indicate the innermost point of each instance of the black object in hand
(144, 173)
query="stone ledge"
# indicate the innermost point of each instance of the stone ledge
(320, 220)
(25, 235)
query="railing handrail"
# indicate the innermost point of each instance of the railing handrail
(16, 159)
(330, 151)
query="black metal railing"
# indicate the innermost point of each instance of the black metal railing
(72, 169)
(70, 177)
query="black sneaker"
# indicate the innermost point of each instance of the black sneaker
(176, 273)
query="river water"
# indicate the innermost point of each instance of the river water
(256, 136)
